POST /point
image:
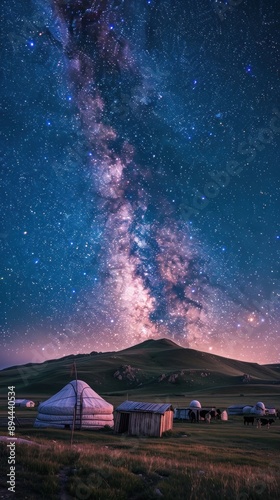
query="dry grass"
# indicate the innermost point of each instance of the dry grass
(186, 465)
(225, 460)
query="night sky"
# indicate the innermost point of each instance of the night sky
(140, 183)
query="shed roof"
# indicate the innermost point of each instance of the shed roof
(135, 406)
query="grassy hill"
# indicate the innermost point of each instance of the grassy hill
(152, 367)
(223, 460)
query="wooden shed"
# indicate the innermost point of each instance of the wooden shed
(143, 419)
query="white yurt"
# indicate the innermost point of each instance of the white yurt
(247, 409)
(258, 409)
(270, 410)
(78, 401)
(195, 408)
(235, 410)
(195, 405)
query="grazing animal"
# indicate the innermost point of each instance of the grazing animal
(261, 422)
(208, 418)
(214, 414)
(249, 420)
(192, 416)
(203, 413)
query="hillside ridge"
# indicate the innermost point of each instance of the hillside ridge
(153, 366)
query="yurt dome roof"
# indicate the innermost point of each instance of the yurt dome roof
(195, 404)
(76, 402)
(247, 409)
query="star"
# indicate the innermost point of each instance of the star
(140, 179)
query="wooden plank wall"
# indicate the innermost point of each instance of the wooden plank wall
(146, 424)
(166, 422)
(117, 418)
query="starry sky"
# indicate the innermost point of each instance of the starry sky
(140, 185)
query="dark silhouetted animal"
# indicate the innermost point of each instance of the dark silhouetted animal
(218, 416)
(208, 418)
(192, 416)
(213, 413)
(203, 413)
(249, 420)
(265, 421)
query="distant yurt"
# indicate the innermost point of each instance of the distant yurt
(143, 419)
(260, 406)
(24, 403)
(195, 407)
(235, 410)
(270, 410)
(247, 409)
(258, 409)
(77, 402)
(195, 404)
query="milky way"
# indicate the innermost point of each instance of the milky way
(141, 191)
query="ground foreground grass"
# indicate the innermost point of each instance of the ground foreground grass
(223, 460)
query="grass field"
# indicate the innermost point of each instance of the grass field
(223, 460)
